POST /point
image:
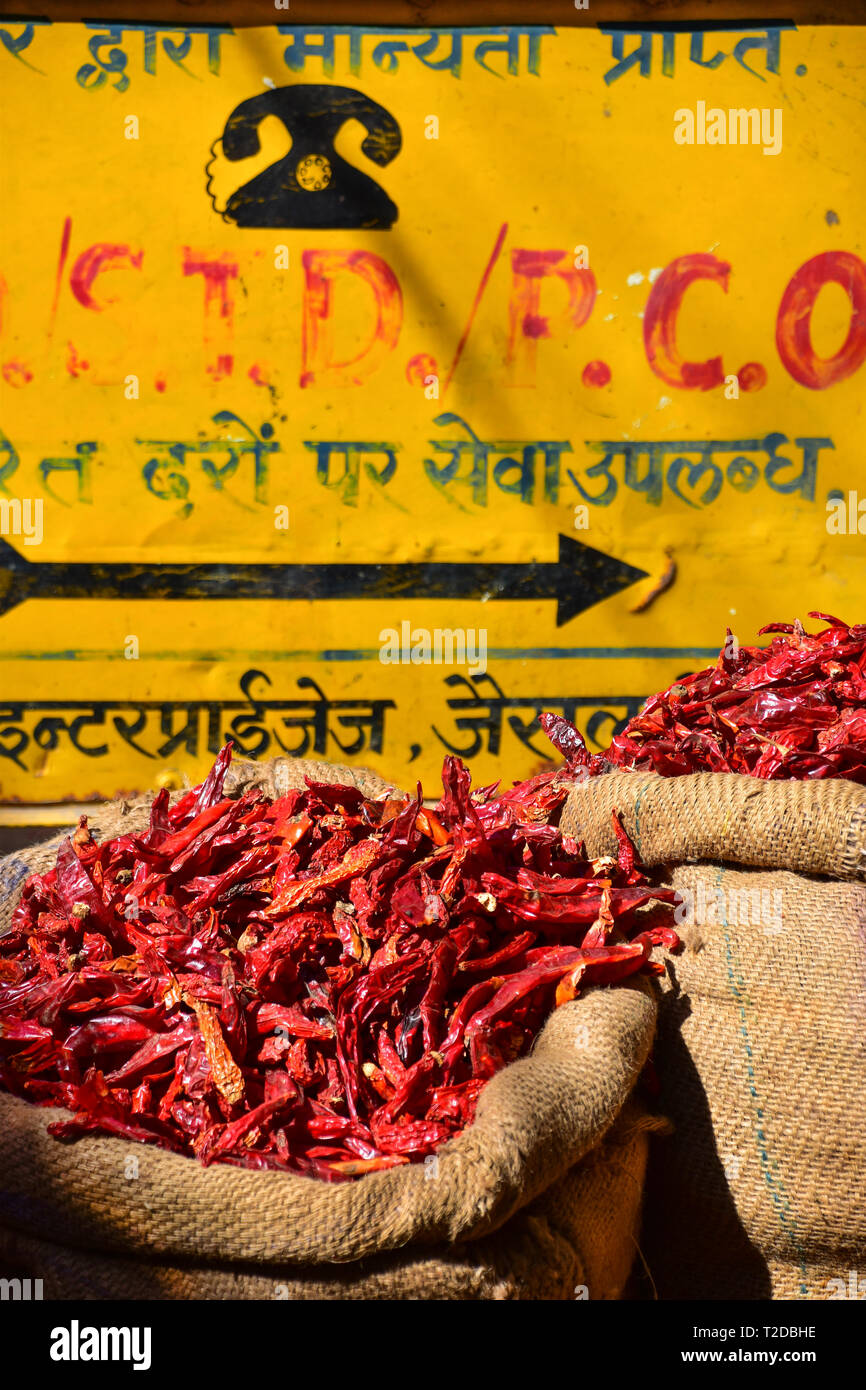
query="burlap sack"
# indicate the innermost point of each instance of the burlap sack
(68, 1212)
(816, 827)
(576, 1240)
(540, 1195)
(761, 1052)
(281, 775)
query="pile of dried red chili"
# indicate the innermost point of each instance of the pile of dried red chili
(320, 984)
(794, 709)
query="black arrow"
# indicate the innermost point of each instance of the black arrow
(580, 578)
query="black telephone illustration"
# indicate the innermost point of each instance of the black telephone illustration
(312, 186)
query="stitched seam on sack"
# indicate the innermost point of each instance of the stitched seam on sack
(14, 873)
(777, 1191)
(854, 853)
(637, 843)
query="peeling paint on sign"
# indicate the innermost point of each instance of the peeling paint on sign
(295, 362)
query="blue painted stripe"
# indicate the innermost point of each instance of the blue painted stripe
(336, 654)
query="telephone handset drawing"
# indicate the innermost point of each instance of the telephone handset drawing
(312, 186)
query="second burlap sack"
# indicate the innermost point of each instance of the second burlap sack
(761, 1053)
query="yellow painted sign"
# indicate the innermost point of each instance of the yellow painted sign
(367, 391)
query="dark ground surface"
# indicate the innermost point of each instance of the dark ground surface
(14, 837)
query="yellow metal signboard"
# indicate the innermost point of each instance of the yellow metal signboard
(366, 391)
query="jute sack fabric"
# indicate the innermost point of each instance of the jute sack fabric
(816, 827)
(540, 1194)
(181, 1230)
(761, 1052)
(281, 775)
(576, 1240)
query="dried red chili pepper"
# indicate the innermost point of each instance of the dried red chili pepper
(320, 984)
(794, 709)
